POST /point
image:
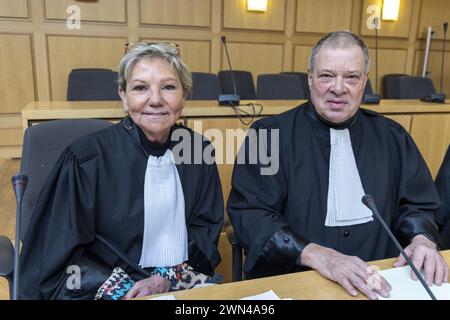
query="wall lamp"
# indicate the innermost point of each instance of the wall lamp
(390, 10)
(257, 5)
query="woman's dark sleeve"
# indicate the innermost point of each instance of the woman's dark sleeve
(206, 225)
(63, 220)
(256, 202)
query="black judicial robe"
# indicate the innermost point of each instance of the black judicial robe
(97, 187)
(276, 216)
(443, 214)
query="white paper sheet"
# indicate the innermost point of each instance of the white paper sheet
(404, 288)
(165, 297)
(268, 295)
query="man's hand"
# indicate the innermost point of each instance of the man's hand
(350, 272)
(423, 254)
(153, 285)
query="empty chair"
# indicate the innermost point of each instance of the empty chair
(368, 88)
(414, 87)
(279, 86)
(303, 76)
(391, 86)
(244, 84)
(92, 85)
(205, 86)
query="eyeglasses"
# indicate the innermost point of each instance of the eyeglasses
(173, 46)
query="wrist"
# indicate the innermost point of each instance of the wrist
(425, 239)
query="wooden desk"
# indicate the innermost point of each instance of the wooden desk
(308, 285)
(50, 110)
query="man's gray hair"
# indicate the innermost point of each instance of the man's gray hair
(165, 51)
(339, 40)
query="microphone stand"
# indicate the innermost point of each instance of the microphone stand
(374, 98)
(368, 201)
(19, 181)
(230, 100)
(439, 97)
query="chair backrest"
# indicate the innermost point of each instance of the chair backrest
(414, 87)
(391, 85)
(442, 182)
(244, 83)
(205, 86)
(42, 145)
(279, 86)
(368, 88)
(303, 76)
(92, 85)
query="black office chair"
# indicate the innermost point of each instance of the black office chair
(368, 88)
(414, 87)
(244, 84)
(304, 81)
(43, 143)
(279, 86)
(205, 86)
(236, 251)
(442, 182)
(92, 85)
(391, 85)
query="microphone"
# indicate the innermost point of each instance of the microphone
(19, 181)
(369, 202)
(439, 97)
(229, 99)
(374, 98)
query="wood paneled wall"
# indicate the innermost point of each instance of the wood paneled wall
(38, 50)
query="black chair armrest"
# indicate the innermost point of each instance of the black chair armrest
(236, 250)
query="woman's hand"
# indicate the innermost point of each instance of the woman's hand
(153, 285)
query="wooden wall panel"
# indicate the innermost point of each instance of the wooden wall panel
(225, 150)
(258, 58)
(100, 10)
(11, 137)
(16, 76)
(176, 12)
(434, 66)
(394, 29)
(236, 16)
(431, 133)
(66, 53)
(196, 54)
(323, 16)
(301, 57)
(389, 61)
(404, 120)
(434, 13)
(14, 9)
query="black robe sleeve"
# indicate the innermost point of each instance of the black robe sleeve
(443, 214)
(417, 195)
(255, 207)
(205, 227)
(63, 220)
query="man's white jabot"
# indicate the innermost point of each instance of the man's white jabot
(345, 190)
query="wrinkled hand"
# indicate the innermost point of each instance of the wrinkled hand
(423, 254)
(350, 272)
(153, 285)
